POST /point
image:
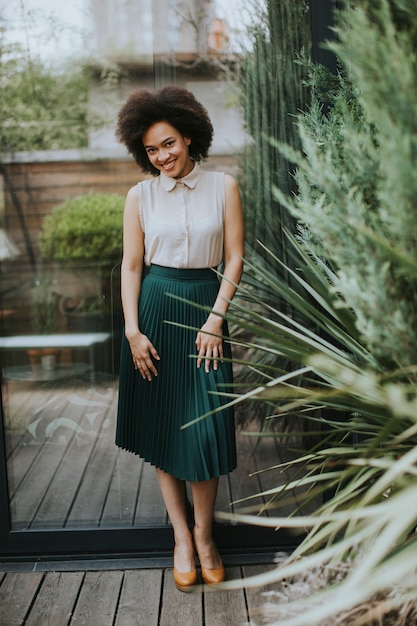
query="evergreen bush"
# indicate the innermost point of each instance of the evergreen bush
(87, 227)
(356, 287)
(80, 244)
(273, 92)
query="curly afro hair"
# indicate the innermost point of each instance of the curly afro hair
(172, 104)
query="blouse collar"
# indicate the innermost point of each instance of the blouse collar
(190, 180)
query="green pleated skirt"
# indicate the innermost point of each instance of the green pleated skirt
(151, 414)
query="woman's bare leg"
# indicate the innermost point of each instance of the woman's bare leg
(204, 500)
(174, 495)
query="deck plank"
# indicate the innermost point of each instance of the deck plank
(226, 607)
(256, 596)
(37, 465)
(185, 609)
(23, 402)
(97, 602)
(13, 441)
(87, 481)
(20, 407)
(24, 412)
(28, 497)
(140, 598)
(269, 454)
(88, 504)
(19, 464)
(17, 592)
(242, 483)
(127, 598)
(62, 489)
(56, 599)
(120, 504)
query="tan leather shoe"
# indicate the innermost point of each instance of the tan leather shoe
(213, 576)
(210, 576)
(185, 581)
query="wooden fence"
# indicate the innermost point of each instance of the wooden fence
(33, 188)
(32, 185)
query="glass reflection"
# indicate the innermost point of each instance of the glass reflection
(59, 365)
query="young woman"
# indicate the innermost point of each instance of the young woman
(179, 226)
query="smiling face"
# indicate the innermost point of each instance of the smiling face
(167, 150)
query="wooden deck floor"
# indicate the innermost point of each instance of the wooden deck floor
(135, 597)
(65, 471)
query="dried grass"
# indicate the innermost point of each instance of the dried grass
(389, 609)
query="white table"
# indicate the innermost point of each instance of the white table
(60, 340)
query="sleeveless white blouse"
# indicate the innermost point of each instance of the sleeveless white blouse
(182, 219)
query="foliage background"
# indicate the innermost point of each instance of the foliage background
(273, 92)
(41, 108)
(349, 330)
(86, 227)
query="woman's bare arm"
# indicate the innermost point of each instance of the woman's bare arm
(210, 346)
(131, 276)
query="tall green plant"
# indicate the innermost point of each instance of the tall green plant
(273, 93)
(356, 353)
(274, 90)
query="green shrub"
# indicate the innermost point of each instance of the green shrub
(357, 266)
(273, 92)
(87, 227)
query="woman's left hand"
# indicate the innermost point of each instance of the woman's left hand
(210, 346)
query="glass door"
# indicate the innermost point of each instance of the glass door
(67, 483)
(65, 488)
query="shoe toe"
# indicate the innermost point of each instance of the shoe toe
(213, 576)
(185, 581)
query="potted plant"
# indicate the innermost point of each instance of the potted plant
(84, 228)
(81, 245)
(44, 317)
(81, 241)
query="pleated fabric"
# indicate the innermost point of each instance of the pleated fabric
(151, 414)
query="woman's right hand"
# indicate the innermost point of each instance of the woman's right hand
(143, 353)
